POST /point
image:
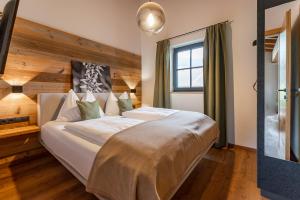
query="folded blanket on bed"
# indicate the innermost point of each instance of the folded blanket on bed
(98, 131)
(149, 113)
(150, 161)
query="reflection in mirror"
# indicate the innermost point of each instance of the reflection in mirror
(282, 80)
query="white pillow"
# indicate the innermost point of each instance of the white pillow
(112, 107)
(124, 95)
(89, 97)
(69, 111)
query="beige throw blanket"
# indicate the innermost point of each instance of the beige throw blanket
(150, 161)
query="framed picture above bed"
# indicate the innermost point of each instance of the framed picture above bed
(91, 77)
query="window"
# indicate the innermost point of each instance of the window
(188, 68)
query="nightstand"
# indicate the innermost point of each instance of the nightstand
(19, 143)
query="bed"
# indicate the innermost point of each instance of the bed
(136, 159)
(59, 142)
(73, 152)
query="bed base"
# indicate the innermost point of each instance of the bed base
(69, 168)
(84, 181)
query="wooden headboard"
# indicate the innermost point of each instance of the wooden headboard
(40, 60)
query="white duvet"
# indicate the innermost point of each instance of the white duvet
(98, 131)
(149, 113)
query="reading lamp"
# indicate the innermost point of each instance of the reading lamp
(133, 91)
(17, 89)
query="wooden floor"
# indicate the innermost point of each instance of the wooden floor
(222, 174)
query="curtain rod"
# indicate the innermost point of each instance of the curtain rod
(227, 21)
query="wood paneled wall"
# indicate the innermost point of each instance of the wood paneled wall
(40, 59)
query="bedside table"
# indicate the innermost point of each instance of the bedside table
(19, 143)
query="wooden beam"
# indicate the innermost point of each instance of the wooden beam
(274, 31)
(269, 46)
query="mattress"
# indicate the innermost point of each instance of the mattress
(76, 152)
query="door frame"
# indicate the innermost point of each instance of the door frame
(277, 179)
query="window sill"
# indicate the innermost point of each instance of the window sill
(187, 92)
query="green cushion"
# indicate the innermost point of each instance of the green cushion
(88, 110)
(125, 105)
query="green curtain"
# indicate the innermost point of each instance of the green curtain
(215, 56)
(162, 75)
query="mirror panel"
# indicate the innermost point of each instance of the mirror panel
(282, 75)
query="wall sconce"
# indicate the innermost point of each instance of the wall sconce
(17, 89)
(133, 91)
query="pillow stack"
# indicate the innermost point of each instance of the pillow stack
(69, 111)
(112, 107)
(88, 110)
(116, 106)
(125, 103)
(74, 109)
(89, 97)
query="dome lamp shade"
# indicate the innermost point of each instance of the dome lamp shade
(151, 18)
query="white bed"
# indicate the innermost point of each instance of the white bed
(76, 144)
(64, 139)
(73, 151)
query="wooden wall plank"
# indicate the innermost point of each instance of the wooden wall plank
(38, 31)
(40, 60)
(69, 51)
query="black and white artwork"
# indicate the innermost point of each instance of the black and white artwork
(91, 77)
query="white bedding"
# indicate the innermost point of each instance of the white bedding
(149, 113)
(75, 151)
(77, 143)
(98, 131)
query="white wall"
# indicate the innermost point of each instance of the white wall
(110, 22)
(184, 16)
(275, 16)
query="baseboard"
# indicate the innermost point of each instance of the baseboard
(241, 147)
